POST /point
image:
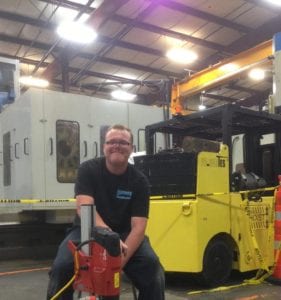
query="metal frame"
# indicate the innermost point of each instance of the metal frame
(220, 124)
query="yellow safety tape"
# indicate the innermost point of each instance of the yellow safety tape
(259, 190)
(183, 196)
(192, 196)
(177, 197)
(35, 201)
(223, 288)
(263, 273)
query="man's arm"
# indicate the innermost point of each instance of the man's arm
(135, 237)
(85, 199)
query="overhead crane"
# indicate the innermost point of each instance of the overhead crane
(260, 55)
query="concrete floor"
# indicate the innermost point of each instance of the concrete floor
(27, 280)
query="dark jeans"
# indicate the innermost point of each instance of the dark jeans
(143, 269)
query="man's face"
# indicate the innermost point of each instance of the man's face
(117, 147)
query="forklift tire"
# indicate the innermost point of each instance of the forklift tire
(217, 263)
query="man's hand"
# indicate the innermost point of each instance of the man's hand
(134, 239)
(124, 251)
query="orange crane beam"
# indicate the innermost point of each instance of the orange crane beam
(219, 74)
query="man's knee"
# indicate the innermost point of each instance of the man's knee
(61, 268)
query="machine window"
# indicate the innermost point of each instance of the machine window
(67, 150)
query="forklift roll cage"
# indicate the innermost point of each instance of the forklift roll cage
(221, 124)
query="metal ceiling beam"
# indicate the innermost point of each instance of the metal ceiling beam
(203, 15)
(26, 20)
(149, 99)
(220, 98)
(234, 86)
(96, 20)
(140, 67)
(263, 33)
(25, 42)
(116, 79)
(215, 75)
(45, 47)
(257, 36)
(118, 36)
(70, 5)
(124, 20)
(172, 5)
(164, 31)
(171, 33)
(257, 99)
(101, 38)
(142, 99)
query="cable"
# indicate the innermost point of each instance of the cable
(76, 269)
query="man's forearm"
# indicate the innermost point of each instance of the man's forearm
(86, 200)
(133, 241)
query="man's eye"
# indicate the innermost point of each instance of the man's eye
(119, 143)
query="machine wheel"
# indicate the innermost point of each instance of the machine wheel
(217, 263)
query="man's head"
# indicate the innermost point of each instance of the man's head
(117, 147)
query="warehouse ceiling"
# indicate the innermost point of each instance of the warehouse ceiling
(133, 38)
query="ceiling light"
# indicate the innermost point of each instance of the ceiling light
(257, 74)
(276, 2)
(123, 95)
(201, 107)
(76, 32)
(33, 81)
(181, 55)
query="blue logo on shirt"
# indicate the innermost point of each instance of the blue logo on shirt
(124, 195)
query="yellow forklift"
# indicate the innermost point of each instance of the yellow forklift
(212, 191)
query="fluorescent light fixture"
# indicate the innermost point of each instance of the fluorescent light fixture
(275, 2)
(257, 74)
(33, 81)
(76, 32)
(181, 55)
(123, 95)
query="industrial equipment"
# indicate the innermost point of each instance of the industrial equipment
(212, 191)
(97, 260)
(98, 273)
(45, 135)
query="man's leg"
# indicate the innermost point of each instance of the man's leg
(62, 268)
(146, 273)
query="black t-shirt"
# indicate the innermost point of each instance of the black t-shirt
(117, 197)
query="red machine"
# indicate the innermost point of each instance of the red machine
(99, 272)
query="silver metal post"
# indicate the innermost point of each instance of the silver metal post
(87, 224)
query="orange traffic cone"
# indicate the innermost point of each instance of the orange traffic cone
(276, 276)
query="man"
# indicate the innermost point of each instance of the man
(121, 196)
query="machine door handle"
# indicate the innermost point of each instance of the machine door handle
(51, 146)
(25, 144)
(16, 152)
(96, 149)
(85, 148)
